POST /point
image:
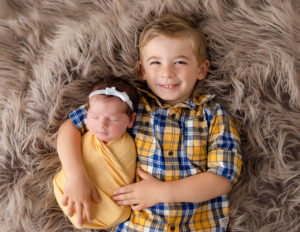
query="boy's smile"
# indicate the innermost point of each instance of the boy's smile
(169, 86)
(170, 67)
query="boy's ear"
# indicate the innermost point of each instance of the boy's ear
(203, 69)
(141, 70)
(131, 120)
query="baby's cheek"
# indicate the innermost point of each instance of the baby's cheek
(90, 126)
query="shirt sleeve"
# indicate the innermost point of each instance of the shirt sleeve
(224, 152)
(78, 118)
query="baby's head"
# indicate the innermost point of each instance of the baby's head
(111, 108)
(172, 58)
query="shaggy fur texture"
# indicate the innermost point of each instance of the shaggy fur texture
(51, 53)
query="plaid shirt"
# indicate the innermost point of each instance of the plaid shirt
(176, 142)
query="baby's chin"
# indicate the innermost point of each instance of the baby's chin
(105, 139)
(102, 136)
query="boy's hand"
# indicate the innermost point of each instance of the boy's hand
(78, 192)
(141, 195)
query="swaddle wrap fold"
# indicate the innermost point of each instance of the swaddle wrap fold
(109, 166)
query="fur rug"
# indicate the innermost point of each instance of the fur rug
(51, 53)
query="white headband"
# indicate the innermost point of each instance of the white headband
(113, 92)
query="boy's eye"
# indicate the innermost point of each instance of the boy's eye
(180, 62)
(154, 62)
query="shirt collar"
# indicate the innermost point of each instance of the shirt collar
(191, 102)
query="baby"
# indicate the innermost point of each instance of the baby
(108, 151)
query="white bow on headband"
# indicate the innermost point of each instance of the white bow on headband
(113, 92)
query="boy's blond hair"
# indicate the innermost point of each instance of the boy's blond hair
(175, 26)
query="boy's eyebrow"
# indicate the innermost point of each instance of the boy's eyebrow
(182, 57)
(176, 57)
(152, 57)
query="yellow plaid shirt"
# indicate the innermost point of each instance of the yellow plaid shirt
(176, 142)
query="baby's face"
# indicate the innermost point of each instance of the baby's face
(107, 118)
(170, 68)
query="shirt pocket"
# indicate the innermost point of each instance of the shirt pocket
(144, 138)
(195, 135)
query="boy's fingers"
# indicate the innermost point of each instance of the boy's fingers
(88, 211)
(143, 174)
(137, 207)
(127, 202)
(123, 190)
(125, 197)
(65, 200)
(79, 214)
(95, 196)
(70, 208)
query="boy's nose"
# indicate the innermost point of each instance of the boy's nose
(167, 71)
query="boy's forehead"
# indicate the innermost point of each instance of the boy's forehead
(167, 36)
(160, 43)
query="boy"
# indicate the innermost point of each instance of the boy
(108, 151)
(188, 149)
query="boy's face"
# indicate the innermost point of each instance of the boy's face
(170, 68)
(107, 118)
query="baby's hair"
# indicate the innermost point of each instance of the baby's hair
(175, 26)
(122, 85)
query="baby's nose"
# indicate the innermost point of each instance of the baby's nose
(102, 123)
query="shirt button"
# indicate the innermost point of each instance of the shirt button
(170, 153)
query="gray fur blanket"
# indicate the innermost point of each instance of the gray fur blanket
(51, 52)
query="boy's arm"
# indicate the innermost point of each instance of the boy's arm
(151, 191)
(78, 189)
(197, 188)
(69, 148)
(223, 168)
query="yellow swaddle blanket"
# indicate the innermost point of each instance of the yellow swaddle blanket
(110, 166)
